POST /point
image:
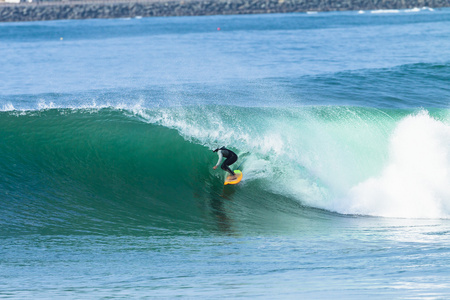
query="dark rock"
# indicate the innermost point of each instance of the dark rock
(146, 8)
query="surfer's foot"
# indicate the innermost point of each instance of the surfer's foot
(233, 177)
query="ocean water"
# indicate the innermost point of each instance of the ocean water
(342, 126)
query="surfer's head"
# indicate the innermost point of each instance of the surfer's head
(217, 149)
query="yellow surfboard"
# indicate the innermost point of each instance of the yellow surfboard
(237, 180)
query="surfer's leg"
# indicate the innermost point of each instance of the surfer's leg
(225, 167)
(229, 161)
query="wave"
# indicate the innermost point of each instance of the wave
(139, 169)
(396, 11)
(384, 87)
(380, 88)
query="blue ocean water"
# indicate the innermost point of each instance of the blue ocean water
(342, 126)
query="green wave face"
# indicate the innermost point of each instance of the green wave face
(89, 169)
(150, 170)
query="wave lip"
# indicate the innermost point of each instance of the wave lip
(8, 107)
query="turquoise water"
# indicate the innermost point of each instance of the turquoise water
(341, 122)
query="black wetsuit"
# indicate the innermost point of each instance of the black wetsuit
(231, 158)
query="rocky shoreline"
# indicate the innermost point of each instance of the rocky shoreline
(146, 8)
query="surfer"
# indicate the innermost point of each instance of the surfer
(231, 158)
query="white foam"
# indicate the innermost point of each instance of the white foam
(8, 107)
(42, 104)
(257, 168)
(415, 9)
(415, 183)
(396, 11)
(385, 11)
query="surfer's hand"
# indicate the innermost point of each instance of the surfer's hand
(215, 167)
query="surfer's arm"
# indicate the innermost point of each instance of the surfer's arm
(220, 159)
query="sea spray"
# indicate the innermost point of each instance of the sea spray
(414, 182)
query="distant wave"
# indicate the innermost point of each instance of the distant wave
(396, 11)
(403, 86)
